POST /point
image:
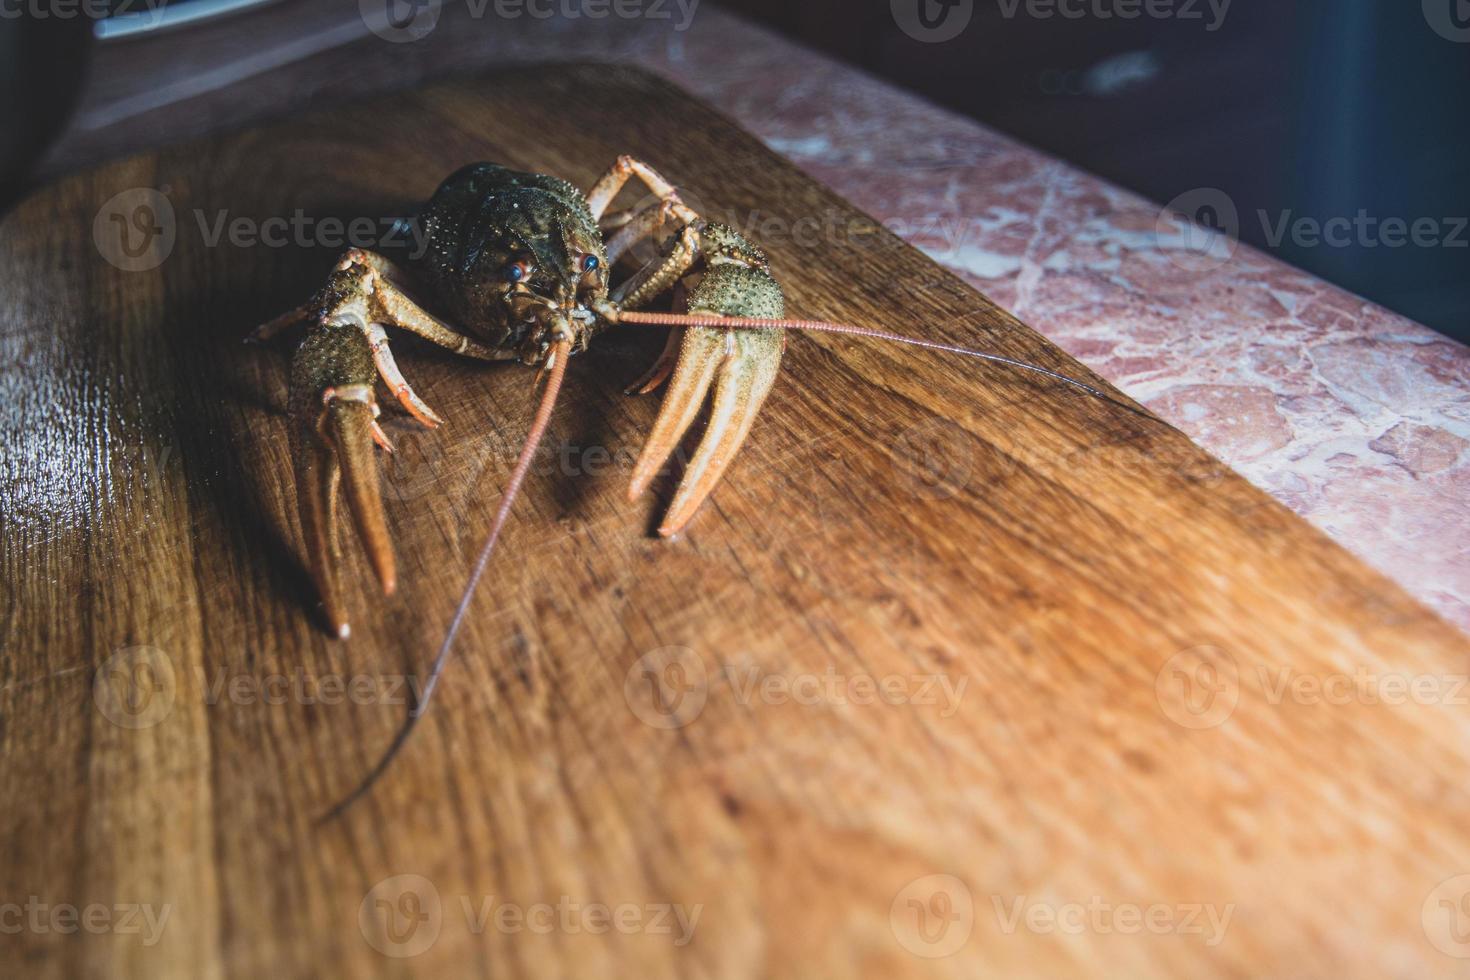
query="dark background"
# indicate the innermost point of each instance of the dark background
(1323, 109)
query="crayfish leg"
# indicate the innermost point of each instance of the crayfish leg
(334, 411)
(610, 184)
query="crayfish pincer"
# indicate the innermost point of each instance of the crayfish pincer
(517, 267)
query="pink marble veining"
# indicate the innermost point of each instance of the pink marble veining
(1354, 417)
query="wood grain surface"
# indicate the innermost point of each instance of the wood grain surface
(960, 672)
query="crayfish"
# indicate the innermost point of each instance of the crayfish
(516, 267)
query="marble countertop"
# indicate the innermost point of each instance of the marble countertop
(1354, 417)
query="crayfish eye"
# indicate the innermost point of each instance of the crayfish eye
(518, 271)
(590, 263)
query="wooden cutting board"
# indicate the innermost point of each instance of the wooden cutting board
(960, 672)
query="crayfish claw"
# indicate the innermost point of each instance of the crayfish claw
(333, 432)
(740, 365)
(700, 356)
(268, 330)
(655, 376)
(742, 381)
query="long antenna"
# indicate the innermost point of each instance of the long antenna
(818, 326)
(560, 354)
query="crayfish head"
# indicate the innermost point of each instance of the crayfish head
(554, 294)
(572, 323)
